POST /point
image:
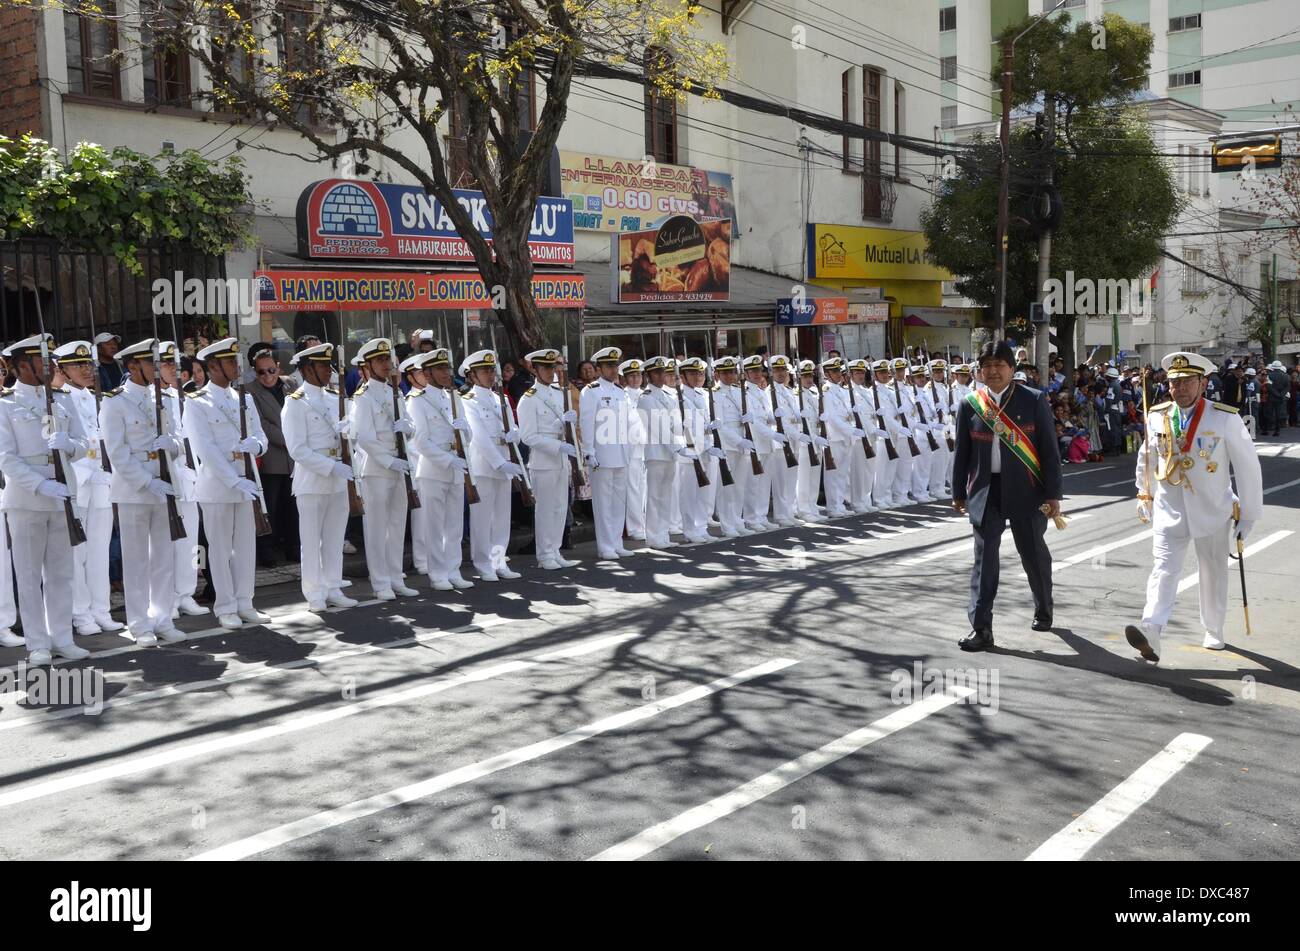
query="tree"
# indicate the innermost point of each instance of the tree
(1275, 193)
(364, 78)
(1118, 197)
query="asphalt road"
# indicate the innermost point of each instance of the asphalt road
(794, 695)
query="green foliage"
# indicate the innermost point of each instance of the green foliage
(116, 202)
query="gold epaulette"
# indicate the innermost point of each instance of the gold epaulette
(467, 396)
(296, 395)
(1227, 408)
(1160, 407)
(331, 391)
(593, 383)
(7, 391)
(361, 389)
(530, 391)
(113, 392)
(414, 392)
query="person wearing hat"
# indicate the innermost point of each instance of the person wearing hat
(664, 444)
(887, 412)
(110, 372)
(935, 389)
(438, 414)
(785, 478)
(928, 428)
(1006, 468)
(604, 424)
(758, 490)
(837, 414)
(129, 427)
(91, 604)
(1276, 388)
(808, 480)
(414, 382)
(1112, 413)
(694, 412)
(184, 477)
(630, 378)
(905, 402)
(731, 426)
(491, 466)
(381, 473)
(862, 471)
(312, 431)
(224, 493)
(32, 500)
(1185, 490)
(542, 419)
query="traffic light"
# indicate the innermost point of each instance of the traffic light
(1234, 156)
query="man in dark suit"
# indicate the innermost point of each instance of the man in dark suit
(1007, 464)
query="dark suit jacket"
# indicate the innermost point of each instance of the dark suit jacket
(1021, 494)
(275, 461)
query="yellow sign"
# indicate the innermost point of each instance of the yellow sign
(851, 253)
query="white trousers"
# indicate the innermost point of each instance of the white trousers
(322, 520)
(636, 489)
(383, 526)
(675, 503)
(551, 503)
(659, 501)
(709, 493)
(445, 504)
(90, 597)
(902, 483)
(691, 499)
(186, 551)
(784, 479)
(940, 462)
(489, 524)
(609, 506)
(421, 527)
(882, 489)
(232, 554)
(8, 605)
(808, 483)
(731, 498)
(758, 492)
(862, 476)
(1168, 552)
(42, 559)
(148, 567)
(837, 479)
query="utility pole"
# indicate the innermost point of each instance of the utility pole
(1004, 188)
(1043, 331)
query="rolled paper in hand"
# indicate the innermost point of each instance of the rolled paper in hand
(1059, 521)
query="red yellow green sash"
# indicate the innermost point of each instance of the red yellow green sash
(1012, 436)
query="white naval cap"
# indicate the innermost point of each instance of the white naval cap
(225, 347)
(143, 350)
(105, 337)
(692, 363)
(659, 363)
(962, 368)
(898, 363)
(725, 363)
(414, 362)
(938, 364)
(754, 361)
(1019, 376)
(630, 366)
(437, 357)
(376, 347)
(321, 353)
(833, 363)
(881, 366)
(807, 368)
(547, 357)
(607, 355)
(29, 345)
(477, 359)
(857, 364)
(779, 361)
(74, 351)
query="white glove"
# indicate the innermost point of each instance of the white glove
(745, 445)
(568, 416)
(342, 425)
(878, 433)
(712, 426)
(399, 465)
(591, 462)
(511, 469)
(53, 489)
(403, 426)
(715, 452)
(906, 433)
(820, 442)
(512, 437)
(858, 433)
(248, 444)
(1244, 527)
(687, 453)
(458, 463)
(160, 488)
(746, 417)
(802, 439)
(248, 487)
(779, 439)
(59, 441)
(461, 423)
(165, 443)
(1144, 510)
(100, 477)
(342, 471)
(825, 417)
(787, 413)
(568, 450)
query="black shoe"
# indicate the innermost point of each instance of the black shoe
(1041, 623)
(976, 640)
(1138, 641)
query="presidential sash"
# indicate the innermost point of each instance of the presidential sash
(1006, 429)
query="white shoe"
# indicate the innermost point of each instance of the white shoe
(188, 605)
(698, 539)
(349, 548)
(404, 591)
(39, 659)
(549, 565)
(9, 639)
(316, 606)
(568, 562)
(786, 522)
(176, 614)
(87, 628)
(337, 599)
(421, 569)
(385, 594)
(714, 523)
(441, 584)
(253, 616)
(146, 639)
(72, 652)
(230, 622)
(623, 553)
(460, 583)
(638, 538)
(1213, 642)
(488, 576)
(170, 636)
(108, 625)
(607, 556)
(506, 574)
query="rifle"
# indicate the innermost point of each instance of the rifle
(744, 410)
(857, 418)
(890, 451)
(902, 415)
(399, 439)
(723, 468)
(791, 460)
(522, 482)
(701, 477)
(175, 524)
(827, 459)
(920, 412)
(576, 468)
(99, 393)
(260, 523)
(356, 505)
(938, 406)
(803, 420)
(76, 533)
(471, 490)
(180, 394)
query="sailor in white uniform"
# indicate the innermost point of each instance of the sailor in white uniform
(604, 413)
(492, 467)
(542, 425)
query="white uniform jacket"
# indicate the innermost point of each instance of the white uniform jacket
(25, 457)
(212, 424)
(604, 416)
(541, 425)
(129, 425)
(434, 441)
(308, 420)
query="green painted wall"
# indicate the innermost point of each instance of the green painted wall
(1002, 13)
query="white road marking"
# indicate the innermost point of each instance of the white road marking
(1284, 485)
(1074, 841)
(239, 672)
(1111, 485)
(657, 836)
(297, 724)
(243, 848)
(1191, 581)
(1085, 471)
(1099, 550)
